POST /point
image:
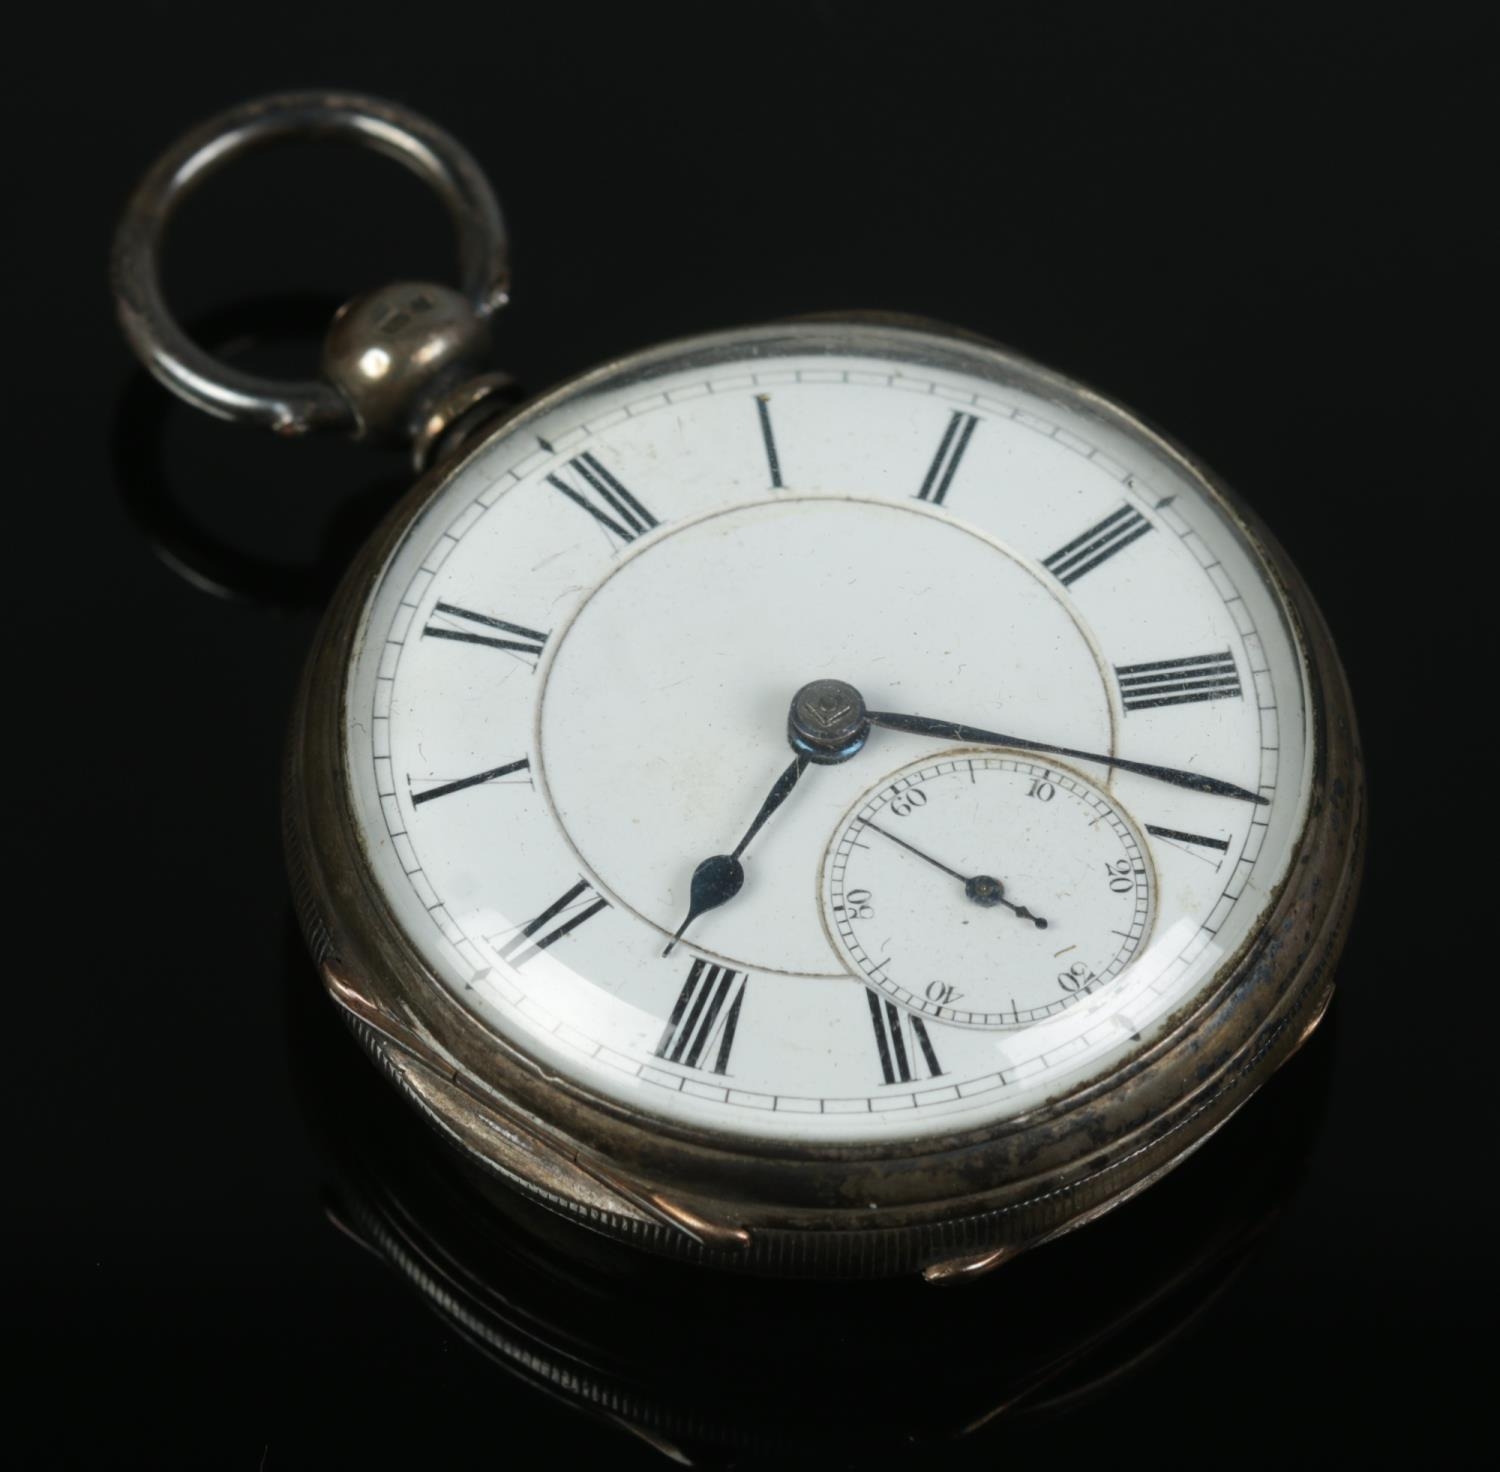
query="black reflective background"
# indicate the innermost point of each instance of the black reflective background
(227, 1247)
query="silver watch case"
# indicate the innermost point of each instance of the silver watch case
(948, 1207)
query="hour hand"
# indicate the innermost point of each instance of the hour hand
(715, 881)
(953, 731)
(720, 876)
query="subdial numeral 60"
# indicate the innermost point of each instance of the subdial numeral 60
(909, 800)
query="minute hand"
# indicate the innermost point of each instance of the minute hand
(952, 731)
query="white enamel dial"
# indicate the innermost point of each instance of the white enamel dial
(987, 889)
(571, 685)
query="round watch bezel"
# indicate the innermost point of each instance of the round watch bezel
(815, 1206)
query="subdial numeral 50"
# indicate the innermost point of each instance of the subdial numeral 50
(1077, 978)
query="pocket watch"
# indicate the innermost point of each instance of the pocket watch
(832, 797)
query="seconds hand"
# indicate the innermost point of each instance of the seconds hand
(983, 889)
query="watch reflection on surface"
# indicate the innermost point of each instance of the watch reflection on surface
(713, 1369)
(213, 547)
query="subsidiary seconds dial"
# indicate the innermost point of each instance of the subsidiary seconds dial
(987, 889)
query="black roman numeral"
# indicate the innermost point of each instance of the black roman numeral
(1098, 544)
(1178, 681)
(1176, 835)
(449, 620)
(535, 937)
(902, 1041)
(707, 1011)
(763, 409)
(493, 775)
(604, 498)
(950, 451)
